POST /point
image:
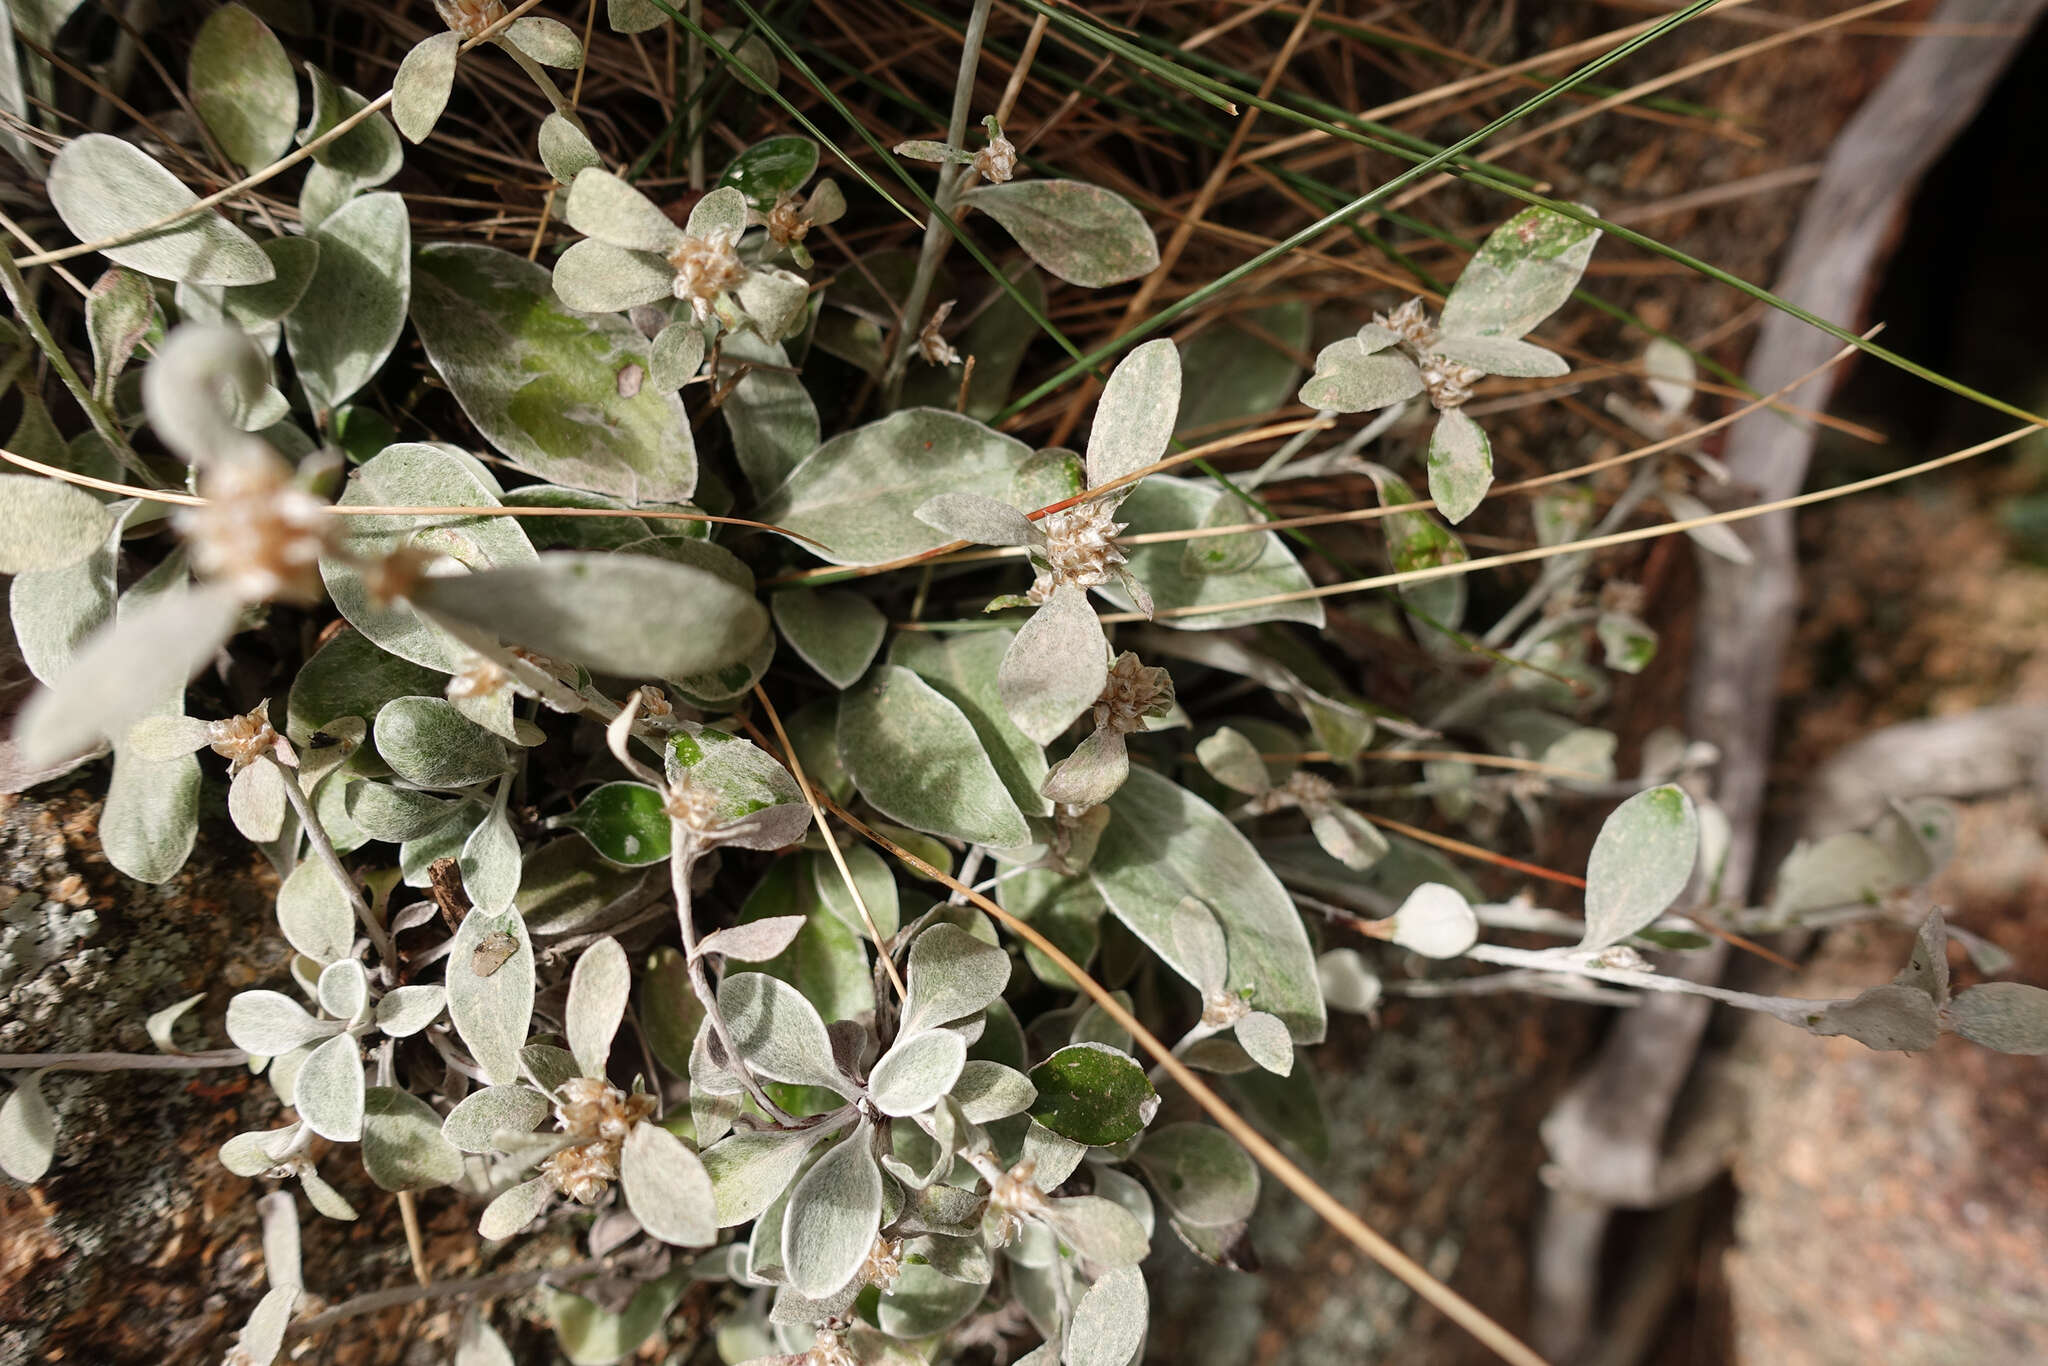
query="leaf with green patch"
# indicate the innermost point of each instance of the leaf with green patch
(772, 168)
(1460, 465)
(1093, 1094)
(1522, 273)
(628, 823)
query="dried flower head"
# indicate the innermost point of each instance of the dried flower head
(480, 677)
(1450, 383)
(829, 1348)
(692, 806)
(1412, 323)
(706, 267)
(242, 740)
(1224, 1009)
(598, 1116)
(1134, 692)
(996, 162)
(1080, 548)
(470, 18)
(883, 1264)
(1014, 1197)
(787, 221)
(258, 533)
(932, 346)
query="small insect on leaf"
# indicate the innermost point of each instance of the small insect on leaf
(493, 953)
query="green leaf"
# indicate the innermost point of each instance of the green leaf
(918, 761)
(45, 524)
(1082, 233)
(1641, 861)
(1351, 377)
(350, 676)
(418, 475)
(359, 288)
(1163, 844)
(1135, 416)
(859, 492)
(916, 1071)
(626, 822)
(1627, 643)
(104, 187)
(1056, 666)
(1523, 272)
(833, 1215)
(877, 890)
(616, 613)
(590, 1336)
(837, 633)
(429, 743)
(1460, 465)
(1092, 1093)
(772, 168)
(490, 992)
(2011, 1017)
(543, 384)
(1066, 910)
(963, 668)
(403, 1149)
(367, 154)
(666, 1188)
(1415, 540)
(826, 963)
(1166, 504)
(243, 88)
(598, 989)
(419, 92)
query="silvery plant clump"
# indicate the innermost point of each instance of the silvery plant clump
(704, 826)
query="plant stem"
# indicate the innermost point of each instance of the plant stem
(475, 1287)
(102, 421)
(316, 835)
(937, 234)
(693, 72)
(122, 1062)
(683, 853)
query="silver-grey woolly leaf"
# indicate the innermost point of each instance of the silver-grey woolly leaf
(988, 1091)
(405, 1011)
(603, 277)
(123, 671)
(752, 1168)
(548, 41)
(1351, 378)
(859, 492)
(1503, 356)
(1056, 666)
(515, 1209)
(104, 187)
(363, 282)
(1460, 465)
(757, 941)
(243, 87)
(325, 1198)
(1265, 1038)
(1234, 761)
(723, 211)
(314, 913)
(162, 1024)
(1084, 234)
(676, 355)
(776, 302)
(1109, 1323)
(1134, 417)
(164, 737)
(1436, 921)
(1641, 861)
(2011, 1017)
(490, 993)
(28, 1129)
(1092, 773)
(1201, 1174)
(833, 1215)
(257, 802)
(951, 974)
(368, 154)
(329, 1091)
(916, 1071)
(267, 1023)
(45, 524)
(1199, 946)
(1099, 1229)
(419, 92)
(778, 1032)
(598, 989)
(1348, 982)
(490, 864)
(429, 743)
(978, 518)
(603, 206)
(481, 1116)
(479, 1344)
(344, 989)
(262, 1337)
(565, 149)
(281, 1260)
(1522, 273)
(918, 760)
(1348, 837)
(1888, 1017)
(403, 1147)
(666, 1188)
(627, 614)
(836, 632)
